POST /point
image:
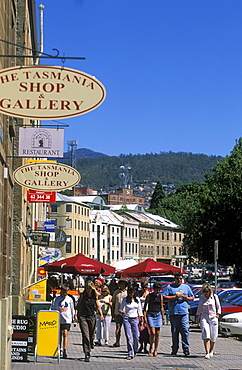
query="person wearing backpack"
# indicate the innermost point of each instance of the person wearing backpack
(208, 313)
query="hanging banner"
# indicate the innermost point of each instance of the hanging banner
(48, 92)
(46, 176)
(41, 142)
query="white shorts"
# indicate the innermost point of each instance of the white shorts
(209, 328)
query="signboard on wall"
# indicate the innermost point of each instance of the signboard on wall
(39, 238)
(46, 176)
(19, 349)
(37, 292)
(41, 142)
(48, 92)
(34, 196)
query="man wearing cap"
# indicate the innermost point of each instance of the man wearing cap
(118, 296)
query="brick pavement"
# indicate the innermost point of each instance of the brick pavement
(228, 356)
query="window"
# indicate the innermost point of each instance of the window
(126, 248)
(180, 237)
(175, 251)
(157, 250)
(68, 243)
(132, 233)
(112, 229)
(157, 235)
(174, 237)
(117, 230)
(103, 244)
(112, 255)
(129, 248)
(103, 229)
(136, 248)
(112, 240)
(75, 224)
(75, 209)
(117, 255)
(93, 243)
(133, 248)
(117, 240)
(78, 224)
(136, 233)
(103, 259)
(162, 236)
(53, 207)
(68, 207)
(167, 236)
(167, 251)
(163, 251)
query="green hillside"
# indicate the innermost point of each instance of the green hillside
(168, 168)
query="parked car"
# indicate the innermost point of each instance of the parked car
(231, 324)
(227, 284)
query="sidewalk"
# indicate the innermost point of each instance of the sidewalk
(228, 355)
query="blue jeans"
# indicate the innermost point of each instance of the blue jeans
(131, 330)
(179, 324)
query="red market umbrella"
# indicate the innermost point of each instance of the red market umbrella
(80, 264)
(150, 268)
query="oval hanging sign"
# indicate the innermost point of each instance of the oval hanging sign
(48, 92)
(46, 176)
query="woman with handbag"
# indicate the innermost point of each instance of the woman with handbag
(208, 313)
(103, 326)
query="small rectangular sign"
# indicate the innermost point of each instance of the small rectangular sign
(41, 142)
(36, 196)
(50, 226)
(40, 238)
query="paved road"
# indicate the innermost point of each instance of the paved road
(228, 356)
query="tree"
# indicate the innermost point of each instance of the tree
(218, 214)
(157, 196)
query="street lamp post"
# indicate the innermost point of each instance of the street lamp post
(216, 264)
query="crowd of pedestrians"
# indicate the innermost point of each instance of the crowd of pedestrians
(139, 312)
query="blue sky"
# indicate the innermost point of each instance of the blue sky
(172, 70)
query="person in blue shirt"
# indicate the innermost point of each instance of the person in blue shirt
(178, 295)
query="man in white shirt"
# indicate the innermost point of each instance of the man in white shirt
(64, 304)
